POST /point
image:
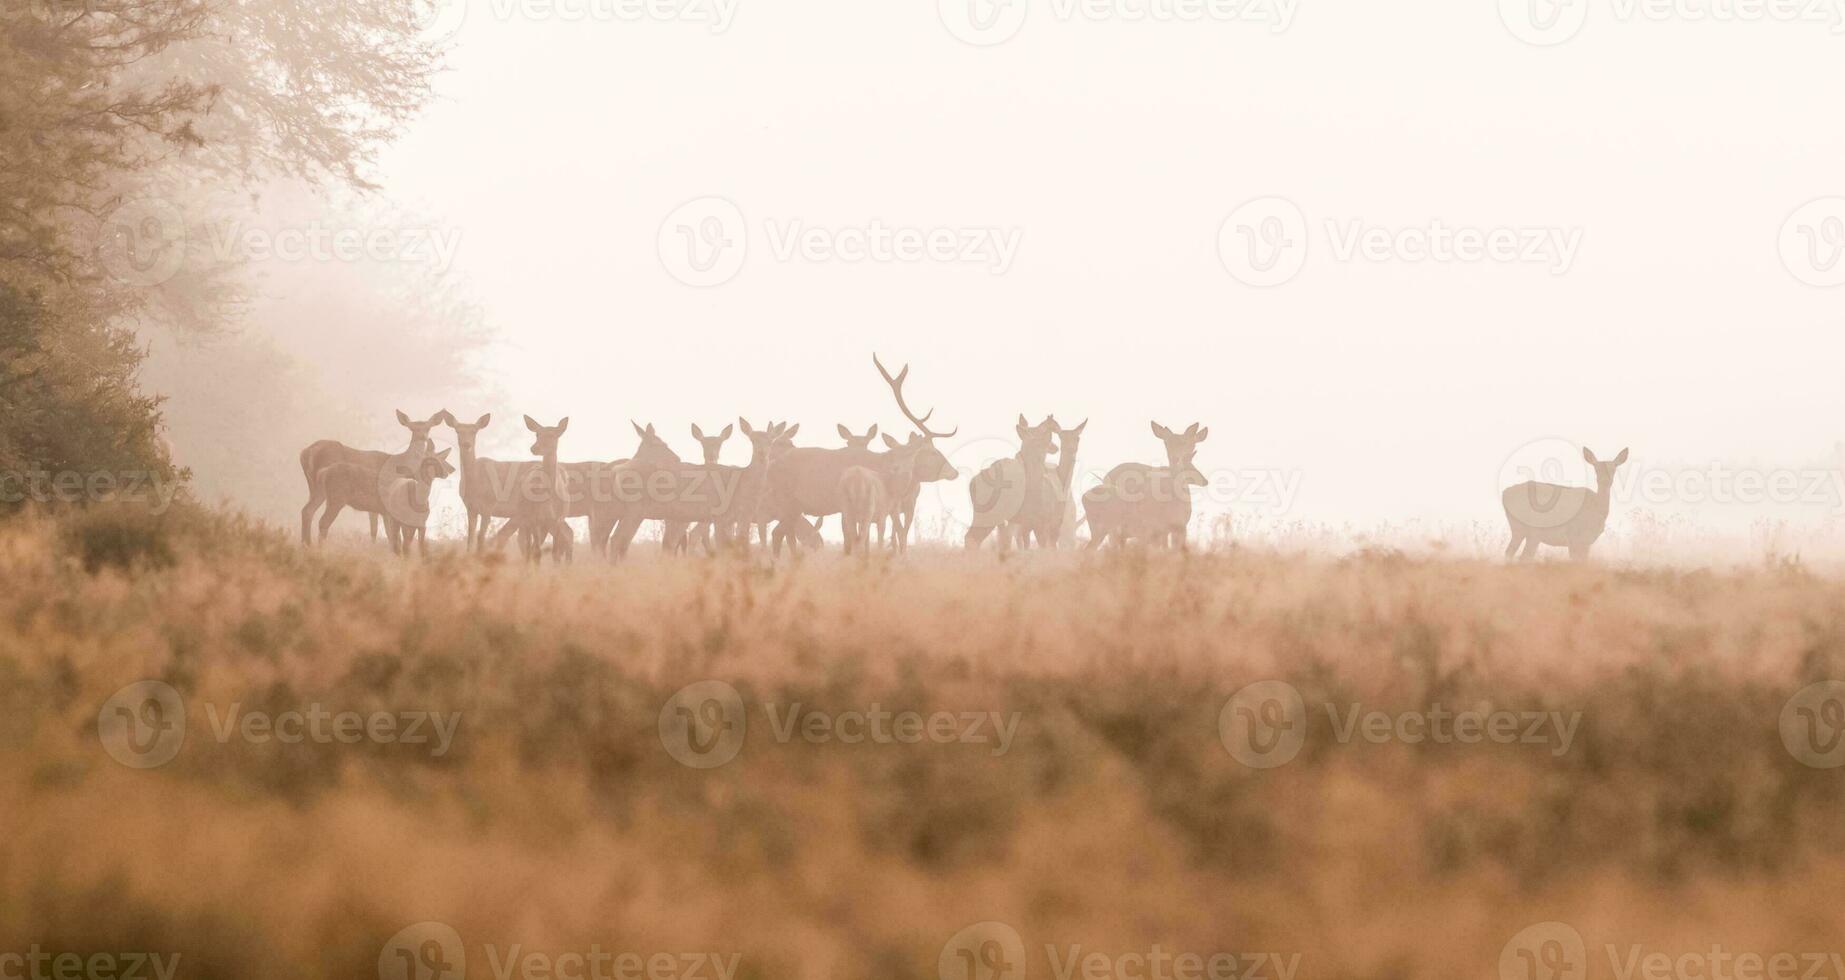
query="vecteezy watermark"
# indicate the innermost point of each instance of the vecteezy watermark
(93, 486)
(1264, 725)
(1266, 242)
(142, 241)
(325, 241)
(143, 726)
(716, 16)
(1812, 242)
(984, 23)
(703, 725)
(1551, 22)
(1813, 725)
(705, 242)
(435, 951)
(994, 950)
(37, 964)
(1556, 951)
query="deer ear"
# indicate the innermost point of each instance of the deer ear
(724, 434)
(443, 455)
(698, 433)
(746, 425)
(562, 424)
(443, 418)
(1588, 455)
(532, 424)
(402, 418)
(844, 433)
(1079, 429)
(871, 432)
(637, 429)
(1618, 460)
(789, 432)
(650, 431)
(892, 443)
(484, 420)
(1022, 429)
(1203, 433)
(1161, 432)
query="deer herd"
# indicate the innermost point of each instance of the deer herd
(1024, 498)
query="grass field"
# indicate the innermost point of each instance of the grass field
(897, 751)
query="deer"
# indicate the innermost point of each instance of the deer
(375, 490)
(612, 486)
(929, 465)
(678, 540)
(489, 487)
(682, 494)
(804, 482)
(541, 505)
(326, 452)
(406, 506)
(1563, 517)
(1008, 493)
(1153, 503)
(1050, 527)
(864, 501)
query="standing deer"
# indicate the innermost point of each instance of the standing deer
(804, 482)
(1063, 506)
(489, 487)
(406, 506)
(682, 493)
(1149, 502)
(541, 505)
(375, 491)
(1563, 517)
(326, 452)
(864, 501)
(927, 464)
(612, 486)
(678, 540)
(1008, 493)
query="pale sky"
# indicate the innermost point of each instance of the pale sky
(1666, 151)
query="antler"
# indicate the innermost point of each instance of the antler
(896, 388)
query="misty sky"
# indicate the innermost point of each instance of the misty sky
(1633, 181)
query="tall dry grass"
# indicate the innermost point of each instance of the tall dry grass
(1116, 820)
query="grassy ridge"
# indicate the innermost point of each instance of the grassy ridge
(1115, 818)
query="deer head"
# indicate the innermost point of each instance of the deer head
(467, 434)
(419, 431)
(544, 443)
(1604, 470)
(1181, 447)
(1035, 440)
(1069, 439)
(710, 444)
(929, 465)
(766, 444)
(858, 442)
(653, 450)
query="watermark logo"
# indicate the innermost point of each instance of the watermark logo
(1812, 242)
(1813, 725)
(983, 23)
(425, 951)
(142, 242)
(1546, 951)
(1264, 725)
(1264, 241)
(438, 21)
(143, 725)
(39, 964)
(1544, 22)
(703, 724)
(704, 242)
(983, 951)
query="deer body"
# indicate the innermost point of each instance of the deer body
(373, 490)
(864, 501)
(1152, 503)
(1559, 516)
(542, 506)
(326, 452)
(1007, 495)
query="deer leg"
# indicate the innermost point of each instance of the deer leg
(1531, 547)
(975, 534)
(374, 523)
(1579, 552)
(625, 530)
(326, 519)
(307, 517)
(1512, 549)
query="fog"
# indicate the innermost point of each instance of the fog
(1485, 244)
